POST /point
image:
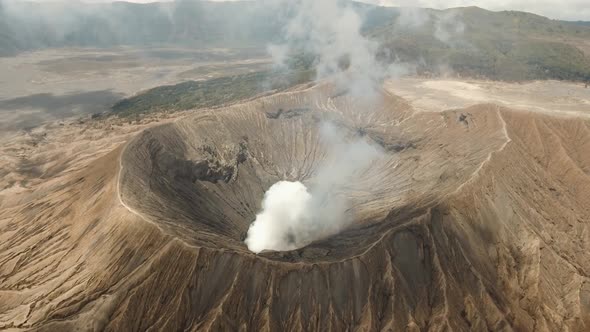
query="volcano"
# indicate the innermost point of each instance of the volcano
(475, 219)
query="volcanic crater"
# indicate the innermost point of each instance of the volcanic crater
(474, 218)
(437, 225)
(202, 178)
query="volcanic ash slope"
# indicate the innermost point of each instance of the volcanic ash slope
(475, 219)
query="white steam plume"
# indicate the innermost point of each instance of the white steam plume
(293, 216)
(331, 31)
(285, 209)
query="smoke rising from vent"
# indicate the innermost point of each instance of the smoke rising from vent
(294, 215)
(285, 210)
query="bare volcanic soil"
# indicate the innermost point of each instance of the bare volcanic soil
(476, 219)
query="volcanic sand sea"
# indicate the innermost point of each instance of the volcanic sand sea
(53, 84)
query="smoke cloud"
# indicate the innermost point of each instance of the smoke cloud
(285, 211)
(330, 30)
(187, 23)
(293, 215)
(449, 28)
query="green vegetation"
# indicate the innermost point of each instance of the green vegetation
(496, 45)
(210, 93)
(468, 41)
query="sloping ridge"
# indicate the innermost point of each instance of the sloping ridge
(477, 220)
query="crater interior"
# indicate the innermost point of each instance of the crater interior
(202, 178)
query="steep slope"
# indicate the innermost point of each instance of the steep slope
(475, 42)
(477, 219)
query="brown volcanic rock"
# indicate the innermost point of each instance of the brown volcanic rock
(477, 219)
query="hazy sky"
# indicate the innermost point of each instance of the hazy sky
(558, 9)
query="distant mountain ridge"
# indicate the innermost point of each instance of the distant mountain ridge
(29, 26)
(506, 45)
(585, 23)
(470, 41)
